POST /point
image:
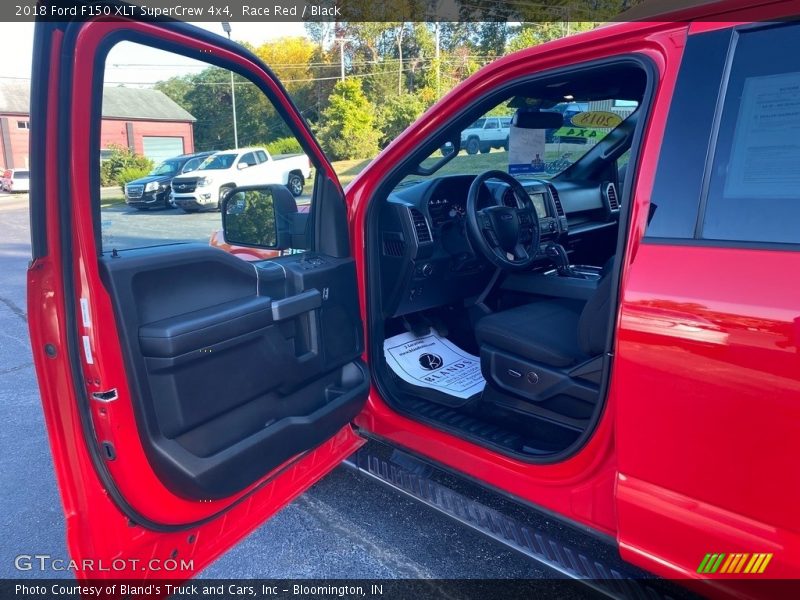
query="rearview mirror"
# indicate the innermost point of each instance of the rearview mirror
(248, 218)
(535, 119)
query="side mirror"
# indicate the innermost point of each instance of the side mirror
(248, 218)
(264, 216)
(242, 165)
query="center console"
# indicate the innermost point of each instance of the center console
(564, 281)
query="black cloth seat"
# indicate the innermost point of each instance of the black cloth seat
(559, 333)
(545, 332)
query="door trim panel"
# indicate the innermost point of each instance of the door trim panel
(224, 392)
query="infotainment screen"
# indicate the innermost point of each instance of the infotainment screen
(539, 204)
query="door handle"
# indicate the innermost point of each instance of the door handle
(295, 305)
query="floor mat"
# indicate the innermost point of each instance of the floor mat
(434, 362)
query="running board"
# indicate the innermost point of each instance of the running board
(417, 478)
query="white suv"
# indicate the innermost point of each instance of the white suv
(486, 133)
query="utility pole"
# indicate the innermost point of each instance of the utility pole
(227, 28)
(438, 64)
(342, 42)
(400, 55)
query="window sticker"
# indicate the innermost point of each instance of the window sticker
(525, 150)
(765, 153)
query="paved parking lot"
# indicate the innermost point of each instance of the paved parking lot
(344, 527)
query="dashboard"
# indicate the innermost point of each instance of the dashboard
(427, 258)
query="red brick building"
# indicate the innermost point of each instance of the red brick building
(144, 120)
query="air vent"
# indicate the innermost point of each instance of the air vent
(393, 244)
(420, 226)
(611, 193)
(557, 200)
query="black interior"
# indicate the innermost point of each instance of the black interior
(236, 367)
(542, 335)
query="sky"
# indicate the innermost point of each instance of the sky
(145, 65)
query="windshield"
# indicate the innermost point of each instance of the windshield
(217, 162)
(531, 152)
(168, 167)
(21, 174)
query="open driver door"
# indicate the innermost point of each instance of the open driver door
(189, 395)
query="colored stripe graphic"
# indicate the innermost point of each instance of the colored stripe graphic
(736, 562)
(710, 563)
(767, 558)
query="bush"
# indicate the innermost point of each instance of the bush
(121, 159)
(284, 145)
(129, 174)
(398, 113)
(348, 124)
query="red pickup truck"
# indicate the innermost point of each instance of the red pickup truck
(617, 344)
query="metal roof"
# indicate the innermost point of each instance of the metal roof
(118, 103)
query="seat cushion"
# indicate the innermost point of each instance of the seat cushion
(544, 332)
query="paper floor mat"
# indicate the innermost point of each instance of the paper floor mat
(434, 362)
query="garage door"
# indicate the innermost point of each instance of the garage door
(160, 148)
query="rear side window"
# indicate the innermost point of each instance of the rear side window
(192, 164)
(262, 156)
(753, 188)
(677, 189)
(249, 159)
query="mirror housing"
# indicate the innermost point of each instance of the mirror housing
(449, 151)
(263, 216)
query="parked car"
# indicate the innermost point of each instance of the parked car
(220, 173)
(15, 180)
(486, 133)
(154, 190)
(615, 347)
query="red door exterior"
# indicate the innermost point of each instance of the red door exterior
(707, 367)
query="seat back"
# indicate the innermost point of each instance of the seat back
(594, 319)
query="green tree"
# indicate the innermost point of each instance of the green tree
(397, 113)
(348, 123)
(533, 34)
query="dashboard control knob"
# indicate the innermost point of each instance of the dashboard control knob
(427, 269)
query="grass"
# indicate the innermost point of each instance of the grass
(348, 169)
(111, 196)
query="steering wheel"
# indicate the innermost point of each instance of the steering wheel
(507, 235)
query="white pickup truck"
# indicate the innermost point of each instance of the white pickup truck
(204, 188)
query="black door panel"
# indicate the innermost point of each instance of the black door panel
(236, 367)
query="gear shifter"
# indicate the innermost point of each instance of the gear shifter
(558, 256)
